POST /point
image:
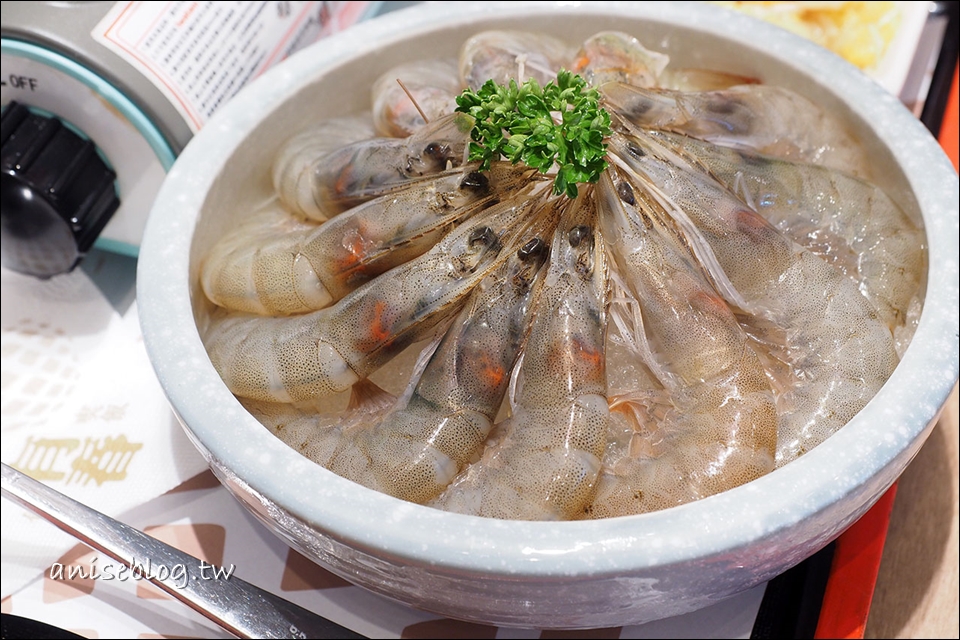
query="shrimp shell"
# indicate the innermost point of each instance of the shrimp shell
(698, 79)
(232, 274)
(415, 451)
(613, 56)
(718, 423)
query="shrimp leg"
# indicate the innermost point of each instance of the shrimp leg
(545, 460)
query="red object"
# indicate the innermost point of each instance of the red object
(951, 122)
(856, 558)
(853, 574)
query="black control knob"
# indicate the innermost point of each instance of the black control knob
(57, 193)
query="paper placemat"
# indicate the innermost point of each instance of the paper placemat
(82, 409)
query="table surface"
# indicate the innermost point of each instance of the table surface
(917, 587)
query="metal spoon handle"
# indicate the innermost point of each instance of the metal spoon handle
(239, 607)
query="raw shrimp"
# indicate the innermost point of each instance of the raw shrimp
(613, 56)
(848, 221)
(839, 350)
(316, 434)
(699, 79)
(769, 119)
(433, 85)
(333, 182)
(719, 422)
(416, 450)
(310, 356)
(228, 273)
(502, 56)
(545, 459)
(293, 165)
(735, 343)
(282, 267)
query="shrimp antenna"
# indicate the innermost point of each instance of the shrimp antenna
(417, 106)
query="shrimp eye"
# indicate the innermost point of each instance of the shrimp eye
(484, 236)
(635, 151)
(625, 191)
(438, 151)
(475, 181)
(724, 106)
(640, 106)
(535, 249)
(580, 234)
(731, 115)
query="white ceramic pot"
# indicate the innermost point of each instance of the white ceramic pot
(543, 574)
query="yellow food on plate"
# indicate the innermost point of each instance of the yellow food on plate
(858, 31)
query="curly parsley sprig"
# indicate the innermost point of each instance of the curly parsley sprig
(561, 123)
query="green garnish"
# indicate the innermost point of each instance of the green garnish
(520, 124)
